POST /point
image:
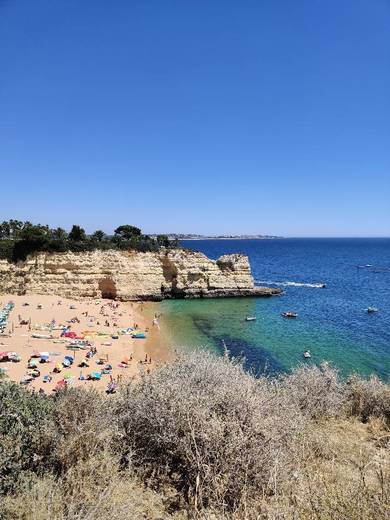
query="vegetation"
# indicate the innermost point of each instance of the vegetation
(20, 239)
(199, 438)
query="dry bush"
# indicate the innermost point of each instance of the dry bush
(369, 398)
(316, 391)
(207, 440)
(84, 429)
(123, 498)
(40, 499)
(324, 498)
(210, 429)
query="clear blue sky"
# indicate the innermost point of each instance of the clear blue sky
(210, 116)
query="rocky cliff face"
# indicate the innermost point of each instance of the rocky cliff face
(127, 275)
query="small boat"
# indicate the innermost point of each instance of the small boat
(372, 309)
(289, 314)
(250, 318)
(307, 354)
(323, 286)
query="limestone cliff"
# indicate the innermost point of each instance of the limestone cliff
(128, 275)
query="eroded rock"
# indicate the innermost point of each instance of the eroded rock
(130, 275)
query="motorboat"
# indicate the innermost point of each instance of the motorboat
(289, 314)
(307, 354)
(372, 309)
(250, 318)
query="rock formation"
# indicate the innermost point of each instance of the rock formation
(130, 275)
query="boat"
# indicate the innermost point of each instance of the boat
(307, 354)
(250, 318)
(372, 309)
(289, 314)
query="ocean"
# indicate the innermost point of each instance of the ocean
(332, 322)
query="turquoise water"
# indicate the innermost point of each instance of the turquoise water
(332, 322)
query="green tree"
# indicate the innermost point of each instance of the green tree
(163, 240)
(31, 232)
(127, 232)
(77, 234)
(5, 231)
(98, 236)
(59, 234)
(15, 226)
(31, 238)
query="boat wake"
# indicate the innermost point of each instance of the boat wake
(291, 284)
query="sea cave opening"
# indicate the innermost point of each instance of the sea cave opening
(107, 288)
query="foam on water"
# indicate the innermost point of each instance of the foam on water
(290, 284)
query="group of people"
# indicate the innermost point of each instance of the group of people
(68, 324)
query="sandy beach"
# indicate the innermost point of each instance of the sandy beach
(99, 327)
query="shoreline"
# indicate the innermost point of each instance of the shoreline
(89, 316)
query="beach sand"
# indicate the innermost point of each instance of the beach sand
(41, 310)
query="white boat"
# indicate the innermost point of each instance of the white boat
(307, 354)
(250, 318)
(372, 309)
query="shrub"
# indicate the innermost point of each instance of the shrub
(26, 434)
(316, 391)
(120, 497)
(369, 398)
(208, 428)
(198, 438)
(84, 428)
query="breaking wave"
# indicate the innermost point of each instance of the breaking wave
(290, 284)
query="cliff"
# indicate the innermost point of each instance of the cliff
(128, 275)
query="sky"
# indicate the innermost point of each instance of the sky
(197, 116)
